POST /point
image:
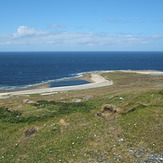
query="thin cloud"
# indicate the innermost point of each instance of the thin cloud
(116, 21)
(81, 27)
(57, 26)
(74, 39)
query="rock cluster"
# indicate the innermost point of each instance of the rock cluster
(108, 111)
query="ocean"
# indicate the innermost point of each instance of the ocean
(25, 69)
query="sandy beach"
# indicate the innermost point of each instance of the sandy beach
(147, 72)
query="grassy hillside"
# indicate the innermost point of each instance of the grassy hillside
(58, 128)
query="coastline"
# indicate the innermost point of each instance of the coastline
(146, 72)
(83, 76)
(95, 79)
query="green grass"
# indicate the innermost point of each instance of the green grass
(72, 132)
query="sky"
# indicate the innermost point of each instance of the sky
(81, 25)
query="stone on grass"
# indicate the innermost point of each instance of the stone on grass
(76, 100)
(27, 101)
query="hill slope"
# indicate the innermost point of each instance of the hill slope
(117, 123)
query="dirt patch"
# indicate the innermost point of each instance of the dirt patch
(62, 122)
(92, 143)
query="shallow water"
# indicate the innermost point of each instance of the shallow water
(68, 83)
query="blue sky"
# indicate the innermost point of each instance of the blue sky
(81, 25)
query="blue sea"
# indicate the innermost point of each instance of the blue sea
(25, 69)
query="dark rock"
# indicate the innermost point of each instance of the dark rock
(30, 132)
(99, 114)
(109, 107)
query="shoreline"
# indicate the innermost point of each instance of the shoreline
(83, 76)
(95, 79)
(146, 72)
